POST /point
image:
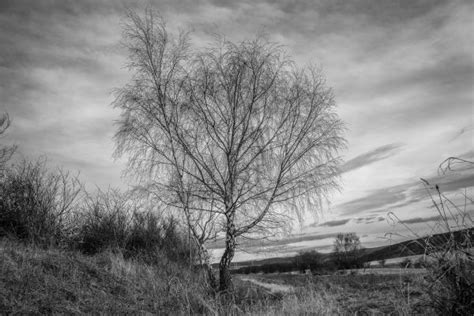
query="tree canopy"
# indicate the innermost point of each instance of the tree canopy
(234, 136)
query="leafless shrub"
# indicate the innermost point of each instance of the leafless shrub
(113, 220)
(235, 132)
(106, 218)
(36, 204)
(448, 248)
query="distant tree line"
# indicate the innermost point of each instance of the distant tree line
(346, 255)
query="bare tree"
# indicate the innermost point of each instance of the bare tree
(346, 250)
(234, 131)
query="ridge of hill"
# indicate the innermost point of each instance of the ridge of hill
(401, 249)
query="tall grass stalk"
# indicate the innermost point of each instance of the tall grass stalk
(448, 248)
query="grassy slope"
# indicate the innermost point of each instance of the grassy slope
(52, 281)
(370, 294)
(37, 281)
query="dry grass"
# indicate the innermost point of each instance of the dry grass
(41, 281)
(369, 293)
(38, 281)
(450, 281)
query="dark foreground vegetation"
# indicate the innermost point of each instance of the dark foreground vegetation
(364, 294)
(66, 251)
(54, 281)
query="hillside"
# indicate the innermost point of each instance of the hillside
(38, 281)
(412, 247)
(401, 249)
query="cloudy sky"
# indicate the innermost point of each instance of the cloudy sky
(402, 73)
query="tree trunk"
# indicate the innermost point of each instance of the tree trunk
(225, 279)
(204, 261)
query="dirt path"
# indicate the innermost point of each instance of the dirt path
(272, 287)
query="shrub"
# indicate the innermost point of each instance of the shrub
(406, 263)
(105, 222)
(145, 233)
(174, 242)
(36, 204)
(112, 220)
(420, 263)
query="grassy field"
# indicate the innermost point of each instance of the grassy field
(38, 281)
(35, 281)
(360, 294)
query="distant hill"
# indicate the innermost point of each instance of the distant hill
(413, 247)
(402, 249)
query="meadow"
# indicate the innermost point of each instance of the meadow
(353, 293)
(103, 256)
(53, 281)
(64, 250)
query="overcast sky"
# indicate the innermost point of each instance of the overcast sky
(402, 73)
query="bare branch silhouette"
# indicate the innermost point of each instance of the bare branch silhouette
(234, 136)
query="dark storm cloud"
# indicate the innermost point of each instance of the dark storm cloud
(372, 156)
(383, 12)
(461, 182)
(380, 12)
(452, 72)
(451, 77)
(378, 199)
(416, 220)
(26, 8)
(369, 219)
(408, 193)
(335, 223)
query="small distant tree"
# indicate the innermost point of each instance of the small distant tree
(382, 262)
(346, 251)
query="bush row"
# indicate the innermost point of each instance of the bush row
(311, 261)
